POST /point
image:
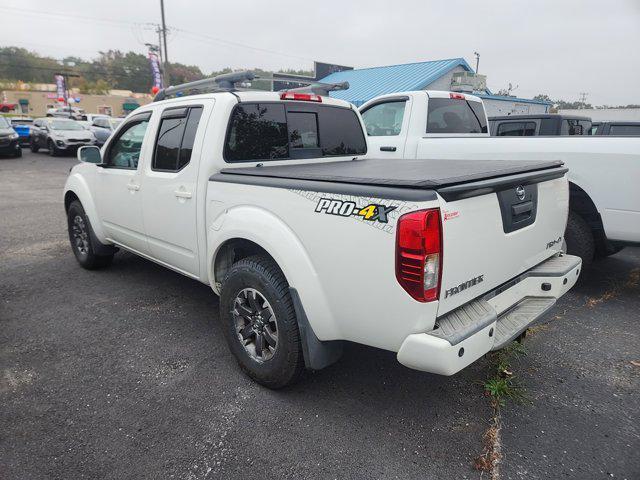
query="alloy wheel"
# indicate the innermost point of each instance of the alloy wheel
(256, 324)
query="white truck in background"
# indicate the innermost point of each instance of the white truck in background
(267, 198)
(604, 172)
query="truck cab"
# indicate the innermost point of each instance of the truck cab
(394, 121)
(535, 125)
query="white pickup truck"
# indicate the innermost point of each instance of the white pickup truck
(604, 172)
(266, 198)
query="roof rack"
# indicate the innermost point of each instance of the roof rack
(221, 83)
(320, 88)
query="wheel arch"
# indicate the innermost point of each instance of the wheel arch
(581, 203)
(248, 230)
(76, 188)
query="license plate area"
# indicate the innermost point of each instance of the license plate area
(518, 206)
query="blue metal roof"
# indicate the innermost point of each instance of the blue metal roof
(367, 83)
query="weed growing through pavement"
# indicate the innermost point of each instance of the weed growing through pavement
(502, 385)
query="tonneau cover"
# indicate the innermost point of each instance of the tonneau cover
(408, 173)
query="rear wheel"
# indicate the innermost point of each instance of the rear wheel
(579, 239)
(80, 238)
(260, 322)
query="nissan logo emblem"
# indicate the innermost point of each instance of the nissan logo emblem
(520, 192)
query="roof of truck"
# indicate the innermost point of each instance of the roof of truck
(539, 117)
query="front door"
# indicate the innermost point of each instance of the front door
(386, 132)
(170, 188)
(118, 186)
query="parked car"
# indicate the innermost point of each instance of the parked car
(103, 127)
(74, 113)
(9, 139)
(604, 172)
(619, 129)
(92, 116)
(59, 135)
(268, 198)
(540, 124)
(22, 126)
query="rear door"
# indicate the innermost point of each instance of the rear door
(170, 187)
(386, 122)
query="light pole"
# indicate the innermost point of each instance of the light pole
(477, 60)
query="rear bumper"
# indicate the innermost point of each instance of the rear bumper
(491, 322)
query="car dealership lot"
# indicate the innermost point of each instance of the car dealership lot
(124, 373)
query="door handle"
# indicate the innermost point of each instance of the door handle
(133, 187)
(387, 149)
(182, 194)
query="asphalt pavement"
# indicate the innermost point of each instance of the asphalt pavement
(123, 373)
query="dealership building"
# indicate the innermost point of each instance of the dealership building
(452, 74)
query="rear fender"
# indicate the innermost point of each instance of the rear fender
(278, 240)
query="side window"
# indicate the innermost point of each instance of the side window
(384, 119)
(257, 131)
(625, 130)
(516, 129)
(340, 132)
(176, 134)
(124, 151)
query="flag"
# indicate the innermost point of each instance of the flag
(155, 70)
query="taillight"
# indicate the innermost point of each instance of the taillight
(419, 254)
(456, 96)
(307, 97)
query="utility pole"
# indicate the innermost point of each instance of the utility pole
(477, 60)
(583, 99)
(164, 38)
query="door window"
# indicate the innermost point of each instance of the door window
(516, 129)
(384, 119)
(124, 150)
(176, 135)
(625, 130)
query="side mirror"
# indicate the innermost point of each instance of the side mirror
(89, 154)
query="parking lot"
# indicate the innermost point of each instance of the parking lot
(124, 373)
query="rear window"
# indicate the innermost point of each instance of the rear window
(516, 129)
(625, 130)
(289, 130)
(450, 115)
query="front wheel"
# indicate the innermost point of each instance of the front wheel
(17, 153)
(260, 323)
(33, 145)
(53, 151)
(80, 238)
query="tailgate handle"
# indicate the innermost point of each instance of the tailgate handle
(387, 149)
(521, 208)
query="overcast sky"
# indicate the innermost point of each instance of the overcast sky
(556, 47)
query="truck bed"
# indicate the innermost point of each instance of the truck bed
(452, 179)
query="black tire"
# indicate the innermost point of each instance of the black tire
(18, 153)
(86, 254)
(33, 146)
(53, 151)
(286, 364)
(579, 238)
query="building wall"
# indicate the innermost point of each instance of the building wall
(496, 107)
(607, 114)
(444, 82)
(39, 102)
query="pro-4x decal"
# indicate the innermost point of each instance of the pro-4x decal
(373, 212)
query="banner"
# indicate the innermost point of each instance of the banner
(61, 89)
(155, 70)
